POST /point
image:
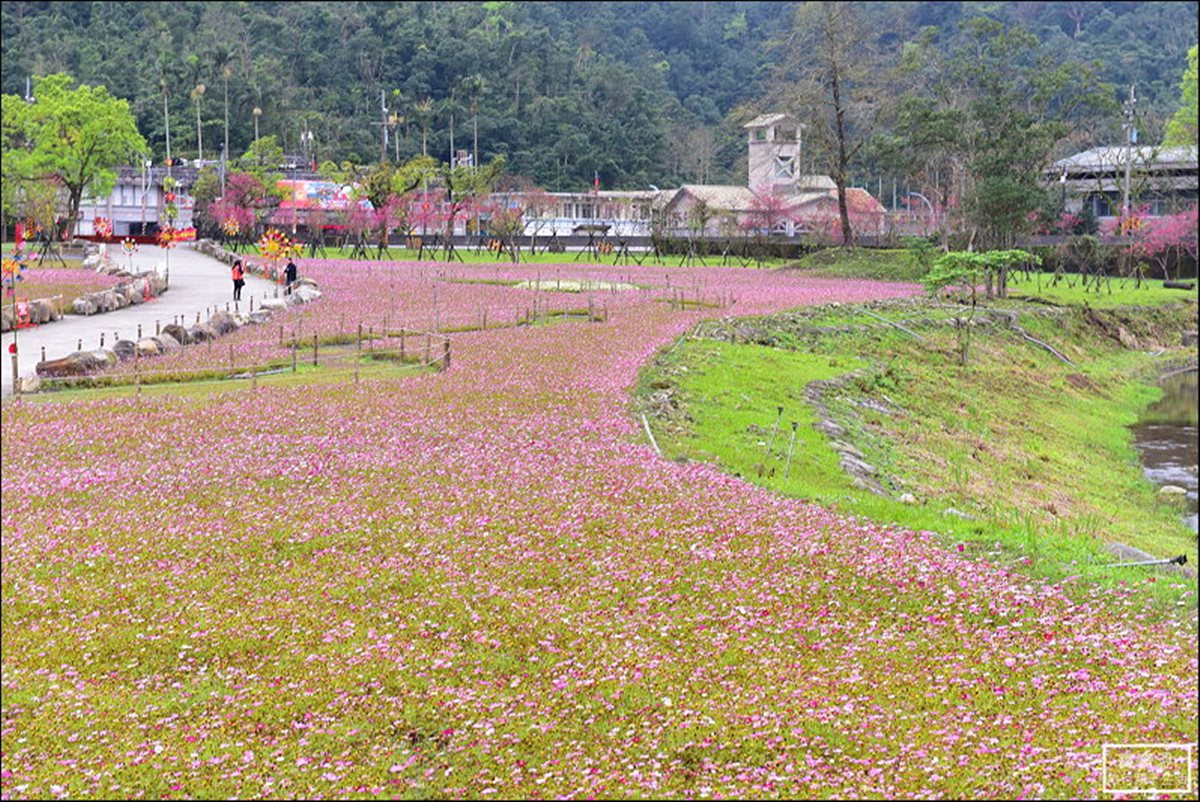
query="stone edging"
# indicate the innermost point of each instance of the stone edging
(172, 337)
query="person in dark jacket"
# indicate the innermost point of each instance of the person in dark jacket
(289, 275)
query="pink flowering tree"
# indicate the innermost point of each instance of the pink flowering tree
(766, 212)
(1167, 240)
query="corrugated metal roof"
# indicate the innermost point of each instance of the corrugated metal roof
(1182, 156)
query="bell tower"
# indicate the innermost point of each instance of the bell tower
(774, 152)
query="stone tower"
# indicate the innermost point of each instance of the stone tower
(774, 145)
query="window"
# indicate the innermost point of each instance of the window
(785, 167)
(760, 135)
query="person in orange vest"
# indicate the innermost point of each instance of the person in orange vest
(239, 279)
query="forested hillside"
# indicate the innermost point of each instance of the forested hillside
(638, 93)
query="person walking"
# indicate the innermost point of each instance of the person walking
(239, 279)
(289, 276)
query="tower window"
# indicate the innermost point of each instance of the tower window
(785, 167)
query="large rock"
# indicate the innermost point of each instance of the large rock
(166, 342)
(223, 322)
(148, 346)
(105, 357)
(83, 305)
(274, 303)
(78, 363)
(260, 316)
(306, 294)
(303, 281)
(178, 332)
(124, 349)
(202, 332)
(41, 311)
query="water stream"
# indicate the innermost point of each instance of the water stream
(1166, 436)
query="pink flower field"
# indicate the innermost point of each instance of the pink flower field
(485, 582)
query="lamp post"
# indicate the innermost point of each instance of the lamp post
(257, 114)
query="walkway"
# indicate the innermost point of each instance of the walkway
(197, 282)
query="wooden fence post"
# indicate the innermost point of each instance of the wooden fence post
(314, 349)
(295, 348)
(446, 354)
(401, 346)
(426, 348)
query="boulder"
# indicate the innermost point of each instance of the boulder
(274, 303)
(166, 342)
(223, 323)
(91, 262)
(78, 363)
(304, 281)
(1172, 490)
(105, 301)
(259, 316)
(30, 384)
(202, 332)
(124, 349)
(907, 498)
(41, 311)
(179, 333)
(104, 357)
(305, 294)
(148, 346)
(83, 305)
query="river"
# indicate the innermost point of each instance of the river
(1167, 438)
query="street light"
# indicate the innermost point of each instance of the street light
(257, 114)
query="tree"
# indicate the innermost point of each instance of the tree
(1182, 129)
(197, 95)
(75, 138)
(833, 74)
(990, 114)
(423, 114)
(463, 186)
(473, 86)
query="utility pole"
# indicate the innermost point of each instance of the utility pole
(383, 123)
(1130, 141)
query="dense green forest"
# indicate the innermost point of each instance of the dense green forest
(639, 93)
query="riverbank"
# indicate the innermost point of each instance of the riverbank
(1017, 456)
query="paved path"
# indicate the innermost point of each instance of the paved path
(197, 282)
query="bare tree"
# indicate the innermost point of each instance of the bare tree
(833, 77)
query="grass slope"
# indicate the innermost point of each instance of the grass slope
(1037, 452)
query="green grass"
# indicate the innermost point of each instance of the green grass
(1114, 292)
(306, 374)
(469, 256)
(881, 264)
(1038, 453)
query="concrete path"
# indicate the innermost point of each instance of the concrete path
(197, 282)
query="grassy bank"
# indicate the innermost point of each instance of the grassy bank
(1016, 456)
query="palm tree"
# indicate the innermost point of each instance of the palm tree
(473, 85)
(423, 111)
(197, 94)
(449, 105)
